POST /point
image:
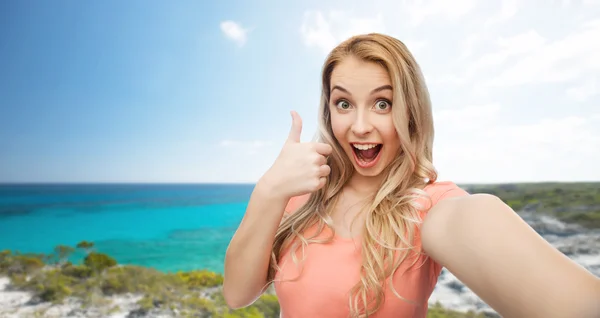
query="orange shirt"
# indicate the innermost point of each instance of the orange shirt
(331, 270)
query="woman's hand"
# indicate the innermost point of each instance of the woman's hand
(300, 168)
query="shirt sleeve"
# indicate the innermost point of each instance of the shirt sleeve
(445, 190)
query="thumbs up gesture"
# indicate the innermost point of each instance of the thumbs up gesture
(300, 168)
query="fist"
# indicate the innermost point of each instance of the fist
(300, 168)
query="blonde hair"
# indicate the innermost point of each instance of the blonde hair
(393, 212)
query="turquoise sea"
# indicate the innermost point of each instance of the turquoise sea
(169, 227)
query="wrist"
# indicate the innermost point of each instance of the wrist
(270, 189)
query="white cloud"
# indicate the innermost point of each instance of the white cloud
(469, 43)
(507, 11)
(316, 32)
(469, 118)
(235, 32)
(421, 11)
(550, 149)
(443, 79)
(521, 43)
(584, 91)
(325, 33)
(508, 47)
(250, 147)
(558, 61)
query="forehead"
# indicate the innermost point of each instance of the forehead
(353, 73)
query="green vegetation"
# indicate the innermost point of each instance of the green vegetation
(569, 202)
(51, 278)
(437, 311)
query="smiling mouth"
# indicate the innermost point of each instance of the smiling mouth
(366, 153)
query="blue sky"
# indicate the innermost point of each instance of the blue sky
(148, 91)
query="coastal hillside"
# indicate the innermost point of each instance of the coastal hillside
(569, 202)
(49, 286)
(60, 283)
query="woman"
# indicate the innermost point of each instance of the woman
(357, 225)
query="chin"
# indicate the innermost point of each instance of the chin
(367, 172)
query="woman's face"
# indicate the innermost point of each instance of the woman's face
(361, 114)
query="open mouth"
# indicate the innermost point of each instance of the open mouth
(366, 155)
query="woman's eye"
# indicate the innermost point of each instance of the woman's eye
(343, 104)
(383, 105)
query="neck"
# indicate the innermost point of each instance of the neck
(364, 186)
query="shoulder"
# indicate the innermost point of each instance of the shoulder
(460, 206)
(449, 217)
(438, 192)
(442, 197)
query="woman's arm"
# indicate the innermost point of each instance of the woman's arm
(249, 252)
(300, 169)
(486, 245)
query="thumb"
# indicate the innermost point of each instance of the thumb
(296, 129)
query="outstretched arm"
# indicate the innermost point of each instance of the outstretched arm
(486, 245)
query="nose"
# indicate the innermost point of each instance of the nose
(361, 125)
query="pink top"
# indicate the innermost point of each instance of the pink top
(331, 270)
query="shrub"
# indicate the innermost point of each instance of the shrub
(98, 261)
(437, 311)
(54, 292)
(77, 271)
(20, 264)
(201, 279)
(50, 285)
(268, 305)
(88, 247)
(63, 252)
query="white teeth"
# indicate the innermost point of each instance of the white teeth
(365, 147)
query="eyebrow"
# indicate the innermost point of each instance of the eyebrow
(378, 89)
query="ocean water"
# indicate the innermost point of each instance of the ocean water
(169, 227)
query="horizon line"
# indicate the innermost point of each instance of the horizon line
(2, 183)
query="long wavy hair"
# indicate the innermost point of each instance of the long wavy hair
(391, 212)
